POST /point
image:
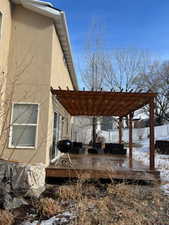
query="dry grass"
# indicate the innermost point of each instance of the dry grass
(70, 192)
(118, 204)
(6, 218)
(48, 207)
(102, 204)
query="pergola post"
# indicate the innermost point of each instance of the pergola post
(94, 130)
(120, 130)
(130, 141)
(152, 145)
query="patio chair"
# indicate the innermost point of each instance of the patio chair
(77, 148)
(95, 148)
(162, 146)
(115, 148)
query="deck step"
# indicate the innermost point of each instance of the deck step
(126, 174)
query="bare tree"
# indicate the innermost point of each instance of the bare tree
(94, 70)
(81, 129)
(7, 95)
(157, 80)
(123, 67)
(94, 59)
(116, 70)
(9, 82)
(94, 64)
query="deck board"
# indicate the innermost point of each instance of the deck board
(102, 166)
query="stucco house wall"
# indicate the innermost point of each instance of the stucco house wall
(36, 63)
(59, 78)
(5, 35)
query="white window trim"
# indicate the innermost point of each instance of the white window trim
(15, 124)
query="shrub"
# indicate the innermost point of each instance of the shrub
(70, 192)
(48, 207)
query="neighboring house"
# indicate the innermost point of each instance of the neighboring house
(35, 56)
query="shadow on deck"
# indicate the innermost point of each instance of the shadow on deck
(101, 166)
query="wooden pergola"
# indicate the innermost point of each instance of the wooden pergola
(103, 103)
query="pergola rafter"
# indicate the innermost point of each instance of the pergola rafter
(101, 103)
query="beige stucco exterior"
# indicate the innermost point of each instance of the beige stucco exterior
(5, 34)
(35, 63)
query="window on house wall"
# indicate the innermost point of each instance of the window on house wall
(23, 125)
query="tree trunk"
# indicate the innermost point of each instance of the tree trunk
(94, 120)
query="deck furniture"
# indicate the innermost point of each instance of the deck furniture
(162, 146)
(114, 148)
(92, 151)
(95, 149)
(64, 146)
(77, 148)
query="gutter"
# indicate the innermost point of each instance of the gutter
(47, 9)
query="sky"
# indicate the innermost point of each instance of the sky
(142, 24)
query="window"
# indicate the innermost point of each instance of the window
(23, 125)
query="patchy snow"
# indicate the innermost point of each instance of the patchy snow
(161, 162)
(60, 219)
(165, 188)
(142, 153)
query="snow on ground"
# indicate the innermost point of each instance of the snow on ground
(60, 219)
(161, 162)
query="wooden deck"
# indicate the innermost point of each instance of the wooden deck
(101, 166)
